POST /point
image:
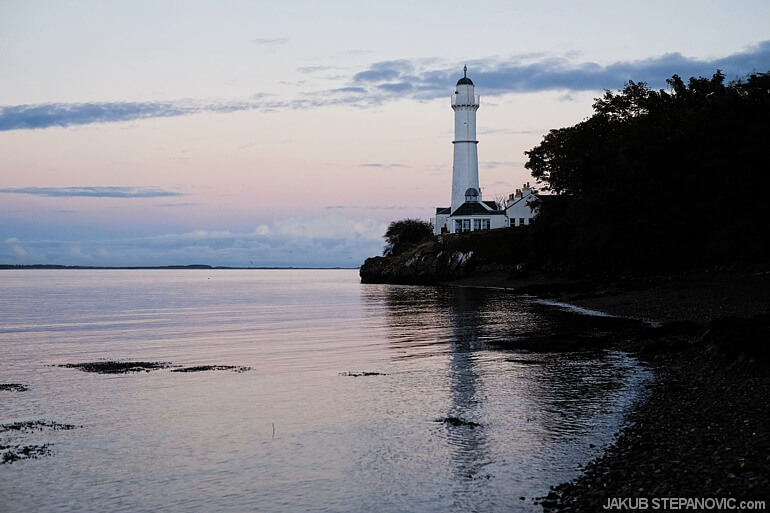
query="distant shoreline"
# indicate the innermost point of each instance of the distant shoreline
(168, 267)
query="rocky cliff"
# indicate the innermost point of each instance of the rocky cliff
(420, 268)
(450, 257)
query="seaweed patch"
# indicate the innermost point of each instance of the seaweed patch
(14, 387)
(456, 421)
(30, 426)
(204, 368)
(114, 367)
(15, 452)
(359, 374)
(11, 453)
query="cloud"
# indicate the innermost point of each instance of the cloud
(15, 246)
(492, 164)
(421, 80)
(94, 192)
(266, 41)
(382, 165)
(331, 226)
(386, 70)
(331, 240)
(511, 131)
(314, 69)
(66, 114)
(376, 207)
(29, 117)
(538, 72)
(397, 88)
(348, 90)
(175, 205)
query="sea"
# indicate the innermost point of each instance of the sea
(306, 391)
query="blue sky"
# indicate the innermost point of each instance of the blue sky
(250, 133)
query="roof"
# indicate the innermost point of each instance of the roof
(443, 210)
(528, 197)
(465, 80)
(475, 208)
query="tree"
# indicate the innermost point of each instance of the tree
(405, 233)
(653, 177)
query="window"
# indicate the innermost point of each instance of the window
(476, 225)
(521, 222)
(462, 225)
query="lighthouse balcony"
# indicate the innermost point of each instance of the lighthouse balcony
(459, 100)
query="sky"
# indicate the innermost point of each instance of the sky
(290, 134)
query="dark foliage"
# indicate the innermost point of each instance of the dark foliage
(504, 246)
(404, 234)
(659, 179)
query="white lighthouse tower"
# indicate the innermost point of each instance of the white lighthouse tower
(465, 165)
(468, 211)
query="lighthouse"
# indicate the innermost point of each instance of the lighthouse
(468, 211)
(465, 164)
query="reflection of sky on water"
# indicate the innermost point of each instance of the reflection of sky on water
(374, 443)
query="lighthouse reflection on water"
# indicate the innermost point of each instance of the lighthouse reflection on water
(508, 421)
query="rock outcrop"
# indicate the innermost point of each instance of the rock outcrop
(451, 257)
(420, 268)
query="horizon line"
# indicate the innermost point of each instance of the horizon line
(191, 267)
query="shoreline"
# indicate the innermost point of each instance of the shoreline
(703, 430)
(698, 296)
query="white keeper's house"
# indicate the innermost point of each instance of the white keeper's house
(469, 212)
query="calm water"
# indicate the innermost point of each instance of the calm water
(294, 434)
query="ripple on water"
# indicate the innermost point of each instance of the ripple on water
(360, 397)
